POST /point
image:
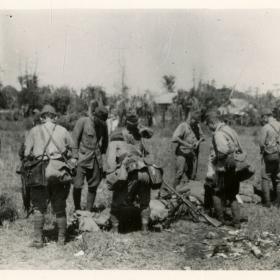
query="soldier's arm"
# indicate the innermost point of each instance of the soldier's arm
(262, 138)
(105, 139)
(222, 149)
(29, 142)
(70, 144)
(178, 133)
(77, 134)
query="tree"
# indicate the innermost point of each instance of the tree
(94, 93)
(169, 82)
(9, 97)
(61, 99)
(29, 94)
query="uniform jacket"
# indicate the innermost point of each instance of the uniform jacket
(184, 132)
(38, 136)
(90, 137)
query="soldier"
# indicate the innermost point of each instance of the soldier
(91, 139)
(39, 144)
(269, 146)
(196, 128)
(127, 173)
(186, 149)
(222, 166)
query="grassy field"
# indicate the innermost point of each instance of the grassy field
(181, 246)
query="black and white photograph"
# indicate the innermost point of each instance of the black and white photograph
(140, 139)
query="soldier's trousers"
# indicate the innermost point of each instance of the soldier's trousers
(136, 191)
(40, 196)
(270, 173)
(93, 177)
(226, 190)
(184, 165)
(56, 194)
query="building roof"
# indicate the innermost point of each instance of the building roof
(235, 106)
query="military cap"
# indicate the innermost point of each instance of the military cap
(266, 112)
(132, 120)
(102, 113)
(48, 109)
(212, 116)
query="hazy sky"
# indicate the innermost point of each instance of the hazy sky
(82, 47)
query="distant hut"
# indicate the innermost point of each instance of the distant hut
(163, 101)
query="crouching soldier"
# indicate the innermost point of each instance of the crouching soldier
(48, 143)
(222, 165)
(91, 139)
(269, 146)
(127, 175)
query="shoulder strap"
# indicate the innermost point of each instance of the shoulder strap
(231, 137)
(49, 140)
(275, 129)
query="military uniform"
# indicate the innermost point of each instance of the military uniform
(225, 143)
(56, 193)
(185, 156)
(91, 139)
(269, 145)
(132, 184)
(196, 128)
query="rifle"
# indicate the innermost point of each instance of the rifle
(195, 213)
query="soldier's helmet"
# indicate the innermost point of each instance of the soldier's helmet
(48, 109)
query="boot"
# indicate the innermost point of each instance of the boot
(39, 220)
(145, 216)
(62, 226)
(115, 224)
(77, 193)
(266, 193)
(218, 207)
(235, 209)
(277, 200)
(90, 199)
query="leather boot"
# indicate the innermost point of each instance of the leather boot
(266, 193)
(90, 199)
(145, 216)
(218, 208)
(115, 224)
(77, 194)
(62, 226)
(39, 220)
(277, 200)
(235, 209)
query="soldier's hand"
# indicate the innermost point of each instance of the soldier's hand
(74, 161)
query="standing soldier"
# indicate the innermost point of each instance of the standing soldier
(48, 141)
(222, 166)
(196, 128)
(186, 149)
(128, 174)
(91, 139)
(269, 145)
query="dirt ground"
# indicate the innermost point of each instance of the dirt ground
(180, 247)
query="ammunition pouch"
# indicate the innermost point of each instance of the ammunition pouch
(35, 172)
